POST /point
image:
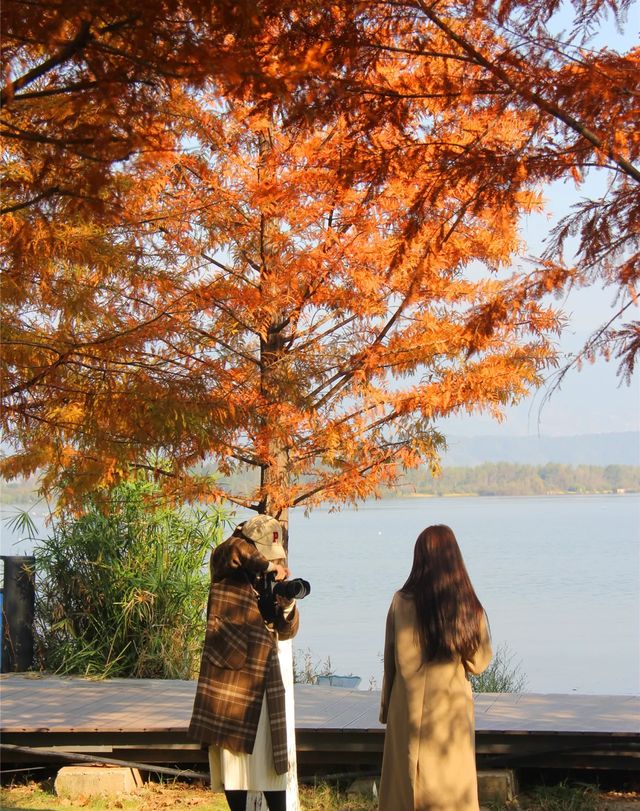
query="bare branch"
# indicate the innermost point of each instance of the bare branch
(77, 44)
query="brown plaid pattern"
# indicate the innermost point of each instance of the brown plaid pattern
(240, 659)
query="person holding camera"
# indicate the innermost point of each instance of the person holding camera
(436, 635)
(239, 708)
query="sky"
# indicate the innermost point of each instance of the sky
(591, 400)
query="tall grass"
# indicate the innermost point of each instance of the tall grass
(567, 797)
(306, 669)
(121, 588)
(502, 675)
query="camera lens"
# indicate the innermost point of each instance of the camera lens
(300, 588)
(295, 589)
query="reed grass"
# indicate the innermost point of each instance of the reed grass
(306, 668)
(502, 676)
(121, 588)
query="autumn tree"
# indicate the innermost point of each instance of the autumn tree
(247, 285)
(535, 58)
(88, 84)
(95, 263)
(273, 300)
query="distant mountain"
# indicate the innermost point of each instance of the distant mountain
(622, 448)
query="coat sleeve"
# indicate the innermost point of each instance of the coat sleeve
(479, 662)
(236, 553)
(389, 663)
(287, 623)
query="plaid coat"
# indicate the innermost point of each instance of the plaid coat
(240, 658)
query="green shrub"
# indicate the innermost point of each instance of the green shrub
(502, 675)
(121, 588)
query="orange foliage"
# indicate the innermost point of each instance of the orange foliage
(250, 233)
(257, 309)
(575, 108)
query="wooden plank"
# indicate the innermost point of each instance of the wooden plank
(84, 705)
(155, 705)
(319, 709)
(558, 713)
(335, 708)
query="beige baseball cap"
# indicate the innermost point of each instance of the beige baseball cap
(266, 533)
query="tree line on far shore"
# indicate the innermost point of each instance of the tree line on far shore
(488, 479)
(509, 479)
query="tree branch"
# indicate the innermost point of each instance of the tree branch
(77, 44)
(50, 192)
(531, 95)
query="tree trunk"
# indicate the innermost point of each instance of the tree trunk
(274, 471)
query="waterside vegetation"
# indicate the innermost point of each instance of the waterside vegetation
(504, 674)
(488, 479)
(509, 479)
(122, 587)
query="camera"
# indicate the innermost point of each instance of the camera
(295, 589)
(268, 589)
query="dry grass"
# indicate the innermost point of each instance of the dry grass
(152, 797)
(161, 797)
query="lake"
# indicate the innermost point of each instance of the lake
(559, 577)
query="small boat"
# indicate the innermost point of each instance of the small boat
(351, 682)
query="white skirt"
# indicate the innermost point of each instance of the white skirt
(237, 771)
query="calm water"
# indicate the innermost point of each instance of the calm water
(559, 577)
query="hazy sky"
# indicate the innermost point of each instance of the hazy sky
(591, 400)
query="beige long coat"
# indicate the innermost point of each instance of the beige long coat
(429, 749)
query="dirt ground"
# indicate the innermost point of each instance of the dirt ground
(161, 797)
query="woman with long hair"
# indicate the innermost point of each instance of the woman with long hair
(436, 635)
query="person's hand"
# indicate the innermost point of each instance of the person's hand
(281, 572)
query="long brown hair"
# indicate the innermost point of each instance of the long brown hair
(449, 611)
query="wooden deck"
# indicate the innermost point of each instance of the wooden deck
(146, 720)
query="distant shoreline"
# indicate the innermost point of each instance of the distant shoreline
(626, 492)
(27, 502)
(486, 479)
